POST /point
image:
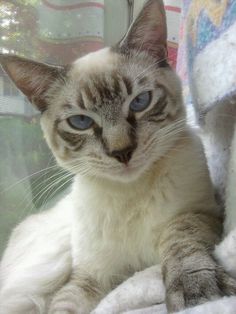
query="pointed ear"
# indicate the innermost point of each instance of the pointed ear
(31, 77)
(148, 32)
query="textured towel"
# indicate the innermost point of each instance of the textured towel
(144, 293)
(206, 64)
(207, 54)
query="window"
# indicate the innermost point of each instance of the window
(52, 31)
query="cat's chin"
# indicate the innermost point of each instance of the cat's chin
(126, 174)
(130, 176)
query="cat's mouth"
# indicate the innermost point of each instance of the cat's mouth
(128, 172)
(128, 168)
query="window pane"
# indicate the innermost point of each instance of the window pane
(53, 31)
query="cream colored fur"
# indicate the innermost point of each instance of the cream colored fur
(119, 215)
(118, 230)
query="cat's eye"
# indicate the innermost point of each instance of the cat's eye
(141, 102)
(80, 122)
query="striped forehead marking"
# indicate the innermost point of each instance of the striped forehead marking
(104, 89)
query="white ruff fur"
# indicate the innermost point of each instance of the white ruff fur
(114, 224)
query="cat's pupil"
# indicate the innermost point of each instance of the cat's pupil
(141, 102)
(80, 122)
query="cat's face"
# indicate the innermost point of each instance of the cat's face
(114, 112)
(114, 115)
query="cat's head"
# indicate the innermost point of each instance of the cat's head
(112, 113)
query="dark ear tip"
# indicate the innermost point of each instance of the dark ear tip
(5, 58)
(11, 57)
(148, 31)
(2, 57)
(160, 3)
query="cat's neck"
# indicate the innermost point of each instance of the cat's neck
(101, 197)
(111, 187)
(104, 187)
(91, 190)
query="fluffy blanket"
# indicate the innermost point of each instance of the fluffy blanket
(144, 293)
(206, 64)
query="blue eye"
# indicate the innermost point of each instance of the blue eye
(141, 102)
(80, 122)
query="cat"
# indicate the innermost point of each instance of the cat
(141, 194)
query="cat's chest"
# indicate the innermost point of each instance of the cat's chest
(120, 232)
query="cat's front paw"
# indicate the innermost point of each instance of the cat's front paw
(68, 308)
(63, 308)
(190, 286)
(60, 312)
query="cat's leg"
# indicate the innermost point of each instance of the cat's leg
(79, 296)
(29, 288)
(12, 303)
(140, 291)
(190, 272)
(36, 263)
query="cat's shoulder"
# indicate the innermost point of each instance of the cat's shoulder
(42, 228)
(187, 151)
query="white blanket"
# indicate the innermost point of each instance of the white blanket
(144, 293)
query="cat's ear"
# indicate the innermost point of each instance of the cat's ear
(31, 77)
(148, 32)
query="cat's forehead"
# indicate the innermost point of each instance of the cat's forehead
(97, 80)
(101, 61)
(107, 77)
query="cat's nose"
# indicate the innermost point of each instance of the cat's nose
(123, 155)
